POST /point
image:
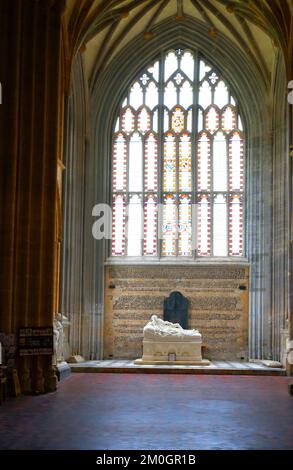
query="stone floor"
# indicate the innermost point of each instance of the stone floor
(152, 411)
(215, 368)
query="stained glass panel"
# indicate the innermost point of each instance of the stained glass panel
(119, 163)
(220, 226)
(118, 238)
(205, 95)
(204, 226)
(189, 121)
(171, 64)
(203, 69)
(134, 226)
(136, 96)
(185, 233)
(169, 163)
(170, 96)
(221, 97)
(228, 119)
(212, 119)
(170, 226)
(187, 65)
(135, 163)
(151, 153)
(186, 95)
(155, 121)
(154, 70)
(144, 120)
(185, 163)
(150, 226)
(220, 180)
(236, 163)
(151, 96)
(204, 162)
(236, 225)
(128, 121)
(177, 120)
(178, 138)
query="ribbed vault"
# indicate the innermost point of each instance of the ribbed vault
(103, 27)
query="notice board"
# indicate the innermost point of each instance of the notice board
(35, 341)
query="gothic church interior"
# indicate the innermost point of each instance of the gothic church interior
(166, 126)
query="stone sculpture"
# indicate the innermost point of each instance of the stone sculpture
(61, 347)
(165, 342)
(157, 327)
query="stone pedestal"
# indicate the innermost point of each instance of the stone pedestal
(172, 351)
(168, 343)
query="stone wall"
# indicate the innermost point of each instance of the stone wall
(217, 307)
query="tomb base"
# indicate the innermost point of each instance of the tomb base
(169, 351)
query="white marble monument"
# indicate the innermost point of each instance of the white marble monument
(168, 343)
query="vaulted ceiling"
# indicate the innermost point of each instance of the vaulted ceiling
(101, 28)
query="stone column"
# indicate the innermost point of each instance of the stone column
(31, 120)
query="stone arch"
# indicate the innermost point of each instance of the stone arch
(252, 91)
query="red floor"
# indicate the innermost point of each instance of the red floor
(133, 411)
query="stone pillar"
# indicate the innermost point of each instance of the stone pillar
(31, 122)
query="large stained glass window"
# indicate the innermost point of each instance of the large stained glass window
(178, 163)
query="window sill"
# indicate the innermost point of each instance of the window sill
(142, 261)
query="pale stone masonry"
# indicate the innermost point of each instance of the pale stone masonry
(217, 307)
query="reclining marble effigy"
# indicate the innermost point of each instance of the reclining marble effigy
(166, 342)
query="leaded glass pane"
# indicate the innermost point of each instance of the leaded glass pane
(185, 163)
(170, 96)
(134, 226)
(171, 64)
(135, 163)
(205, 95)
(155, 120)
(150, 226)
(119, 163)
(166, 126)
(170, 163)
(128, 121)
(154, 71)
(151, 96)
(118, 229)
(185, 233)
(203, 69)
(151, 153)
(200, 121)
(189, 121)
(186, 95)
(220, 226)
(204, 163)
(220, 180)
(136, 96)
(228, 119)
(221, 97)
(177, 120)
(170, 229)
(236, 164)
(204, 226)
(187, 65)
(212, 119)
(144, 120)
(236, 226)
